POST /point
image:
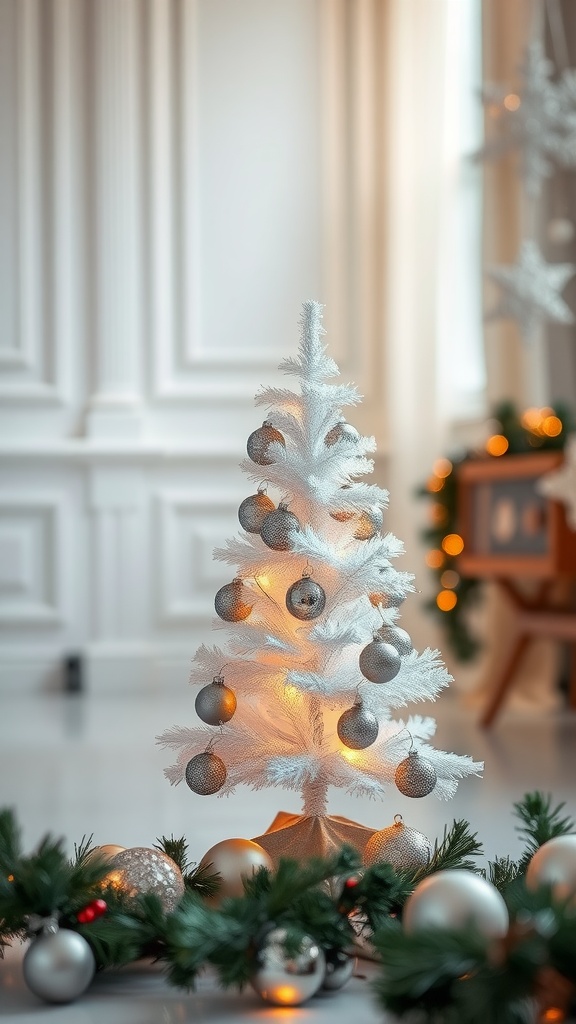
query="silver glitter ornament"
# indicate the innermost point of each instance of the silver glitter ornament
(59, 967)
(215, 703)
(141, 870)
(339, 969)
(278, 528)
(415, 775)
(357, 727)
(205, 773)
(403, 847)
(369, 523)
(379, 662)
(258, 444)
(231, 602)
(456, 900)
(253, 509)
(398, 638)
(305, 599)
(287, 980)
(342, 431)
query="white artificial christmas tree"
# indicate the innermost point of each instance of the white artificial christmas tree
(301, 696)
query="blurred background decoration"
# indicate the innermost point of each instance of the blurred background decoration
(175, 179)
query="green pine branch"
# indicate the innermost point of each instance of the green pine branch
(540, 821)
(456, 850)
(198, 878)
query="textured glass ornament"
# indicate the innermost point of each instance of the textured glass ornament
(554, 864)
(398, 638)
(231, 602)
(403, 847)
(140, 870)
(339, 969)
(342, 431)
(369, 523)
(415, 776)
(253, 509)
(287, 980)
(258, 444)
(456, 900)
(357, 727)
(379, 662)
(235, 860)
(58, 967)
(278, 528)
(215, 703)
(205, 773)
(305, 599)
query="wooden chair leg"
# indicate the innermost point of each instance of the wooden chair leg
(505, 680)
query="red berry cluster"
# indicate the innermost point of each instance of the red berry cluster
(91, 911)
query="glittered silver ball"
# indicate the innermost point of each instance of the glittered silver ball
(205, 773)
(278, 528)
(141, 870)
(342, 431)
(369, 523)
(215, 703)
(259, 442)
(379, 662)
(59, 967)
(287, 980)
(404, 848)
(305, 599)
(357, 727)
(253, 510)
(415, 775)
(398, 638)
(554, 864)
(456, 900)
(231, 602)
(339, 969)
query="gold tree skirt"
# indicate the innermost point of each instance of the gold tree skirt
(299, 836)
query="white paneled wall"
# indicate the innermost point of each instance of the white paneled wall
(175, 179)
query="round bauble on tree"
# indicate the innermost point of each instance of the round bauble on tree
(339, 969)
(342, 431)
(231, 601)
(357, 727)
(399, 845)
(59, 966)
(215, 703)
(253, 510)
(397, 638)
(141, 870)
(456, 900)
(379, 662)
(205, 773)
(283, 979)
(106, 852)
(235, 860)
(369, 523)
(259, 443)
(381, 599)
(305, 599)
(415, 776)
(554, 865)
(343, 515)
(278, 528)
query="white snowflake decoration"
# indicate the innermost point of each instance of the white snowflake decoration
(560, 485)
(531, 290)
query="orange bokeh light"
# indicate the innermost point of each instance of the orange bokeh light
(497, 444)
(435, 558)
(530, 419)
(446, 600)
(434, 484)
(512, 101)
(553, 1014)
(552, 426)
(442, 468)
(449, 579)
(453, 544)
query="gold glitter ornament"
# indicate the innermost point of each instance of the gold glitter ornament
(369, 523)
(234, 860)
(141, 870)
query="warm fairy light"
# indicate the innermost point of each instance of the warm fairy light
(553, 1014)
(446, 600)
(10, 878)
(449, 579)
(287, 995)
(264, 581)
(512, 101)
(351, 755)
(442, 468)
(435, 558)
(434, 484)
(530, 419)
(497, 444)
(493, 110)
(552, 426)
(292, 694)
(453, 544)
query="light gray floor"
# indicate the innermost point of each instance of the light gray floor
(76, 766)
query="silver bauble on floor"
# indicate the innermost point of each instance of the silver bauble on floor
(59, 966)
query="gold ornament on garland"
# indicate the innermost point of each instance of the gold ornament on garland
(234, 860)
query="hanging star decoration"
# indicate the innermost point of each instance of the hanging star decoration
(538, 120)
(531, 290)
(560, 485)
